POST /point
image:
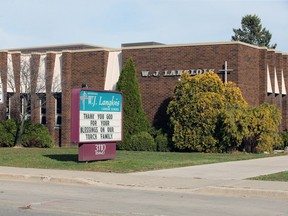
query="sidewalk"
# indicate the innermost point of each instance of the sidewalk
(222, 178)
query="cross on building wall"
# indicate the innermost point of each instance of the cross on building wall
(225, 71)
(83, 98)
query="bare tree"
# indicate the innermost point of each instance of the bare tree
(32, 79)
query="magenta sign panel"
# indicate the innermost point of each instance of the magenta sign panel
(90, 152)
(96, 123)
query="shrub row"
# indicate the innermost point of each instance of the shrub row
(35, 135)
(153, 140)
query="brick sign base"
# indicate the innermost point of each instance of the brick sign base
(97, 151)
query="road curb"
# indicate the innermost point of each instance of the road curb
(36, 178)
(244, 192)
(229, 191)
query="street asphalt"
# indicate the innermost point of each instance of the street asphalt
(228, 178)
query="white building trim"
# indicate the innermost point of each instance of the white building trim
(276, 85)
(11, 87)
(57, 74)
(113, 70)
(283, 86)
(269, 85)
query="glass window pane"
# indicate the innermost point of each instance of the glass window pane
(58, 121)
(43, 120)
(59, 105)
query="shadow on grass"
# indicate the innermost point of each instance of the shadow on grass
(63, 157)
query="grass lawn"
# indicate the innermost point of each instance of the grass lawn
(281, 176)
(67, 159)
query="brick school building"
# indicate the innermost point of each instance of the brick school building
(261, 74)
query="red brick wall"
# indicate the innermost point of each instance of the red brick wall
(263, 96)
(15, 99)
(89, 67)
(35, 102)
(50, 100)
(66, 97)
(157, 90)
(248, 73)
(77, 68)
(3, 73)
(285, 100)
(248, 63)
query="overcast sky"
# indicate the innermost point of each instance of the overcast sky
(29, 23)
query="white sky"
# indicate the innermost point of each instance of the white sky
(29, 23)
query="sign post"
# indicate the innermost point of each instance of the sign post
(96, 123)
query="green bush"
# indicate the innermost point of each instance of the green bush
(284, 136)
(161, 139)
(208, 116)
(135, 120)
(162, 143)
(263, 128)
(8, 130)
(122, 145)
(36, 135)
(142, 141)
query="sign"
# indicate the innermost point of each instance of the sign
(101, 151)
(96, 123)
(99, 116)
(1, 93)
(174, 73)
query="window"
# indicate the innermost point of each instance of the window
(42, 102)
(58, 109)
(8, 105)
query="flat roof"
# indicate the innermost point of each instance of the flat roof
(143, 45)
(82, 47)
(137, 44)
(159, 45)
(56, 48)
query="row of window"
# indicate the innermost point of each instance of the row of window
(25, 105)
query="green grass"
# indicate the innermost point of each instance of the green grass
(281, 176)
(67, 159)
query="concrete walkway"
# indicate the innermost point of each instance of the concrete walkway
(227, 178)
(235, 170)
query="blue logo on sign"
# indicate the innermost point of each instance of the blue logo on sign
(100, 101)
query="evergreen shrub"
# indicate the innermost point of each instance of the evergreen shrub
(209, 116)
(142, 141)
(284, 136)
(8, 131)
(162, 143)
(161, 139)
(135, 120)
(264, 128)
(36, 135)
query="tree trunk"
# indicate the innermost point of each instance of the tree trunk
(20, 130)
